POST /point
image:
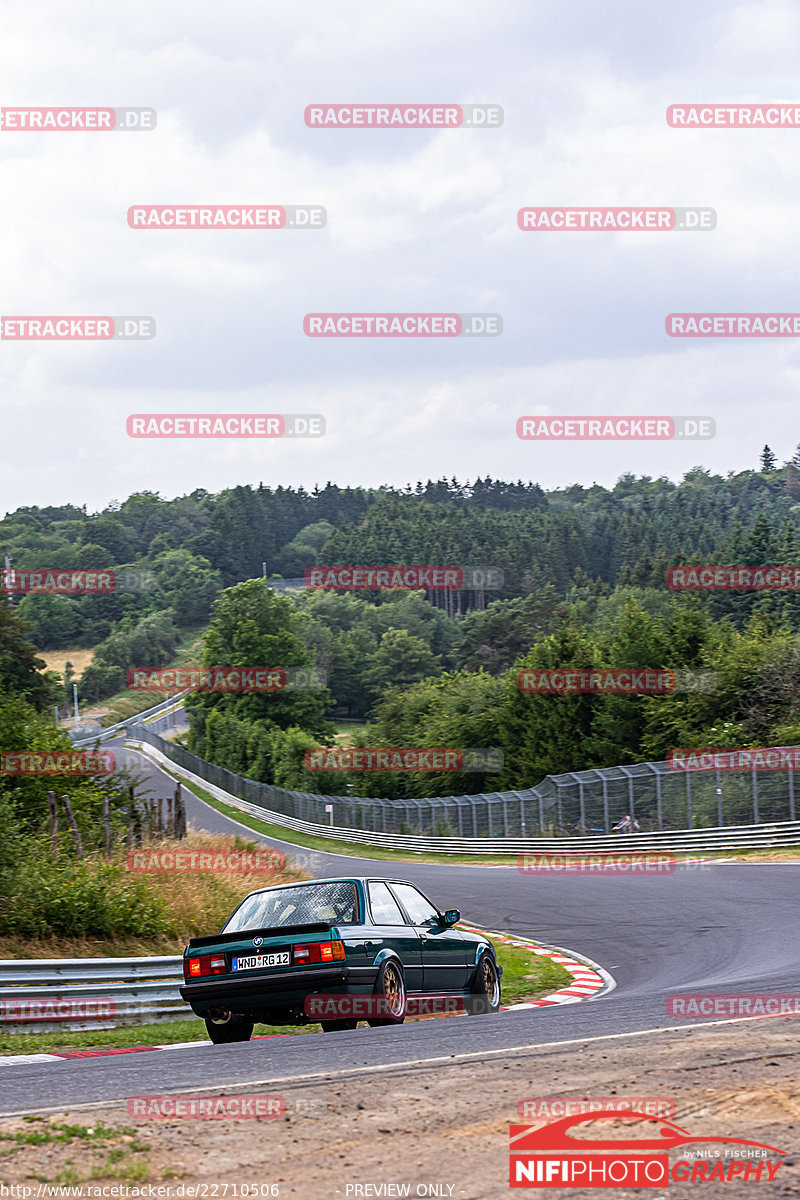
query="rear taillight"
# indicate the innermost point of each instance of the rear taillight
(315, 952)
(205, 964)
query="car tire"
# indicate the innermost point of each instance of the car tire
(233, 1029)
(335, 1026)
(390, 985)
(484, 991)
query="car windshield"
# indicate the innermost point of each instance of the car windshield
(305, 904)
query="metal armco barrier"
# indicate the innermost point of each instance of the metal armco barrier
(137, 990)
(784, 833)
(114, 730)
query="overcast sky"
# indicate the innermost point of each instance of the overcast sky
(418, 221)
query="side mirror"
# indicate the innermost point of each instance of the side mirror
(451, 917)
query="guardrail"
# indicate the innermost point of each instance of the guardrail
(776, 834)
(47, 994)
(105, 735)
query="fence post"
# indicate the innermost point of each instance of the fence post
(73, 824)
(474, 817)
(689, 817)
(791, 794)
(720, 820)
(658, 802)
(106, 825)
(541, 814)
(52, 813)
(606, 818)
(755, 797)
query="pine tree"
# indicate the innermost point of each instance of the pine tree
(768, 460)
(793, 481)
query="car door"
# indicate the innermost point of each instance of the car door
(392, 929)
(444, 951)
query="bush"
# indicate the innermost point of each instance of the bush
(79, 899)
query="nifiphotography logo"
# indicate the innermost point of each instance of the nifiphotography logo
(561, 1155)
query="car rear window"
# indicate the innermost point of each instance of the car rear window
(303, 905)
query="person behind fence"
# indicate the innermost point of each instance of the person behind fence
(623, 825)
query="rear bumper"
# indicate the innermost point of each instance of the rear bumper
(264, 992)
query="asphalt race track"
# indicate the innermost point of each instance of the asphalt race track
(718, 928)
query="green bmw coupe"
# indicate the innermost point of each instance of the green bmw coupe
(333, 951)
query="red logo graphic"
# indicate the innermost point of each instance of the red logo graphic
(552, 1156)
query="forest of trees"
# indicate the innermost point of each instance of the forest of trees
(585, 584)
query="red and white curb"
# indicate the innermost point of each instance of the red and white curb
(588, 980)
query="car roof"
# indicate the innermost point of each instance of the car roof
(330, 879)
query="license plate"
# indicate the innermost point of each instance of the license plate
(279, 959)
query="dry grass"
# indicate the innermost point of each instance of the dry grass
(199, 902)
(57, 660)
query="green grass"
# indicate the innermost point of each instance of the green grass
(525, 975)
(161, 1034)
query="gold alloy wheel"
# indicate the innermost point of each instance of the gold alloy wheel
(490, 983)
(394, 989)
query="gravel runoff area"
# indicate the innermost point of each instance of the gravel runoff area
(440, 1130)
